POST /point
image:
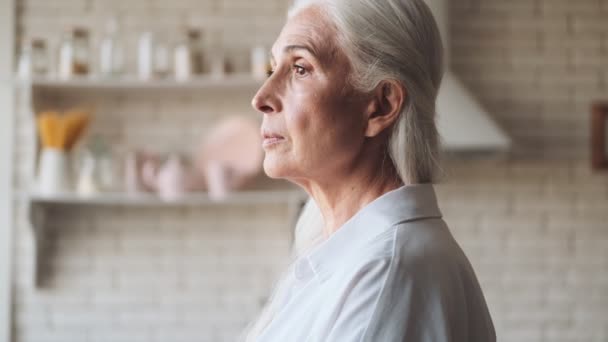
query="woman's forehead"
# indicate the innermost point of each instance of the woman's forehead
(309, 28)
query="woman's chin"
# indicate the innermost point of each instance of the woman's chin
(275, 169)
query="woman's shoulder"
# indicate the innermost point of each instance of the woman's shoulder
(416, 277)
(426, 272)
(413, 246)
(428, 237)
(429, 244)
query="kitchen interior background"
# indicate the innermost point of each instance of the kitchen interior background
(533, 222)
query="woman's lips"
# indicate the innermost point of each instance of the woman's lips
(270, 139)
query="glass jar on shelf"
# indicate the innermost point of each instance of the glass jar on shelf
(195, 37)
(188, 55)
(145, 52)
(182, 60)
(162, 61)
(111, 50)
(40, 57)
(81, 51)
(33, 60)
(24, 65)
(74, 54)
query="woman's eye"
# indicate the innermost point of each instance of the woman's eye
(300, 70)
(269, 72)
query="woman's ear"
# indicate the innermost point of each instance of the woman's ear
(385, 107)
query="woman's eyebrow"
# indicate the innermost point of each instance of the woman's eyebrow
(291, 48)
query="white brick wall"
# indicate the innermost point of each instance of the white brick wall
(535, 230)
(117, 274)
(536, 234)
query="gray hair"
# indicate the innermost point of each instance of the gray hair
(395, 40)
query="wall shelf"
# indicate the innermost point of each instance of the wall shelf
(252, 197)
(38, 204)
(131, 82)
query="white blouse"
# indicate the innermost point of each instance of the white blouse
(393, 272)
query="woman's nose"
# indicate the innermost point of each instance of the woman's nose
(265, 101)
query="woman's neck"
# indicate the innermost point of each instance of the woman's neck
(341, 196)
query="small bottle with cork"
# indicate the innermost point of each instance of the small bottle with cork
(74, 54)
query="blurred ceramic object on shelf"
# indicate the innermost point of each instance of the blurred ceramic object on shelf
(218, 177)
(88, 176)
(150, 167)
(231, 155)
(134, 166)
(98, 171)
(54, 172)
(58, 135)
(171, 180)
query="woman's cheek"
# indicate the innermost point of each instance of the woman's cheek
(298, 119)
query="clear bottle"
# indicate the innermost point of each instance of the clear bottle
(145, 52)
(40, 58)
(24, 66)
(182, 60)
(161, 56)
(74, 54)
(195, 37)
(81, 51)
(111, 51)
(66, 56)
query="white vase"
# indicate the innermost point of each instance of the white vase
(88, 177)
(53, 172)
(173, 179)
(218, 180)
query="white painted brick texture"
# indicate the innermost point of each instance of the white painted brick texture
(538, 244)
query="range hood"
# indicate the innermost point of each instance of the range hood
(462, 122)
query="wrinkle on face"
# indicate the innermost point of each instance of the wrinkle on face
(323, 120)
(320, 115)
(314, 31)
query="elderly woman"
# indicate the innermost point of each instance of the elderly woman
(349, 115)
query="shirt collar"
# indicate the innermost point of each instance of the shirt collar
(407, 203)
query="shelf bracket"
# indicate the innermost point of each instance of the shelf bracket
(37, 217)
